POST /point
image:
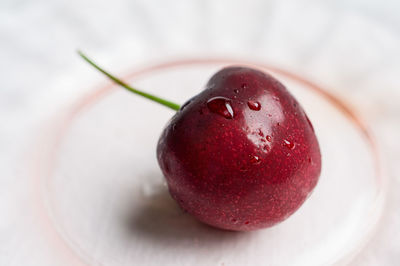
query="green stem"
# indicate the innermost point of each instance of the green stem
(159, 100)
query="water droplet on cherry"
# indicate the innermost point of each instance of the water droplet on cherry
(288, 144)
(244, 86)
(236, 91)
(253, 105)
(255, 159)
(221, 106)
(268, 137)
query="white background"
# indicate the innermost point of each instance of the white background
(351, 47)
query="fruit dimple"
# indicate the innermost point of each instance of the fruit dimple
(222, 106)
(253, 105)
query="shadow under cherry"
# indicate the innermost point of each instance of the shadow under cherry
(160, 220)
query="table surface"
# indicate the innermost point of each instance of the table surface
(351, 47)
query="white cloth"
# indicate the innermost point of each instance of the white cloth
(349, 46)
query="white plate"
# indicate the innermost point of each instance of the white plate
(106, 202)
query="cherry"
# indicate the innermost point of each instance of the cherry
(242, 154)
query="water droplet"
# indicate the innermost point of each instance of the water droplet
(255, 159)
(253, 105)
(260, 133)
(266, 148)
(268, 137)
(235, 221)
(244, 86)
(221, 106)
(247, 222)
(236, 91)
(288, 144)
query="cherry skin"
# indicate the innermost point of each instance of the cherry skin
(241, 155)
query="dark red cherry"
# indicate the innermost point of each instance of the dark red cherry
(242, 154)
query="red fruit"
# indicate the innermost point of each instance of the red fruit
(242, 154)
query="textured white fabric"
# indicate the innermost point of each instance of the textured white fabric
(350, 46)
